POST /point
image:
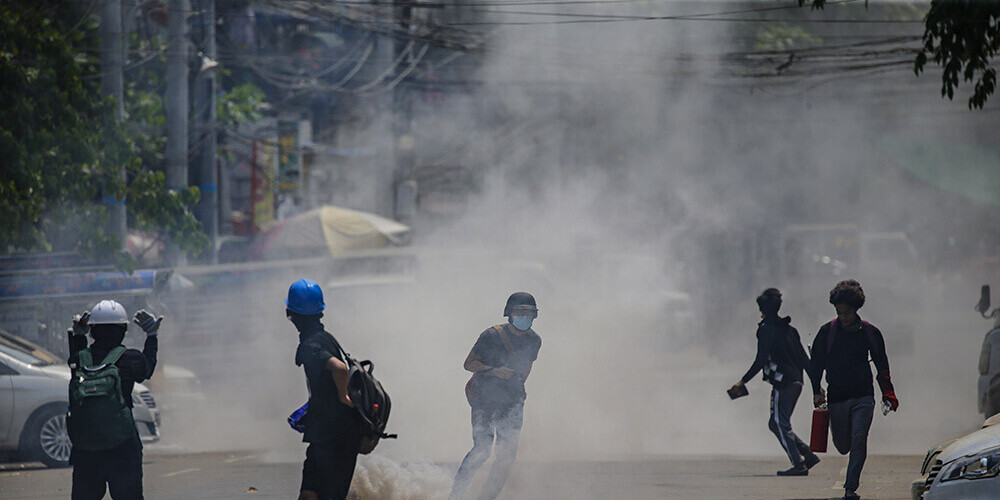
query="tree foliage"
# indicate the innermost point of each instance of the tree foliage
(63, 151)
(963, 37)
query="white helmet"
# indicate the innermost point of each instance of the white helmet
(108, 312)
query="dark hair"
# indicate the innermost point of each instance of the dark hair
(769, 301)
(109, 333)
(848, 292)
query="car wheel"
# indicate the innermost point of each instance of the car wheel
(46, 437)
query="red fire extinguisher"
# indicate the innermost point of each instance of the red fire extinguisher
(820, 429)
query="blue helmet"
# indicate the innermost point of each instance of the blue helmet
(305, 297)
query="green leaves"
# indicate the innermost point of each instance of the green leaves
(781, 37)
(963, 37)
(63, 151)
(240, 104)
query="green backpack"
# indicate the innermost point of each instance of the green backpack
(99, 417)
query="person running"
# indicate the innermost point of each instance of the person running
(781, 356)
(500, 361)
(331, 423)
(841, 350)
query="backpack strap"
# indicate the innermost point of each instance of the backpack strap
(502, 331)
(86, 358)
(114, 355)
(87, 362)
(870, 332)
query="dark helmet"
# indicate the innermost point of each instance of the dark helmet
(520, 300)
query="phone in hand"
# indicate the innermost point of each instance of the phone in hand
(737, 391)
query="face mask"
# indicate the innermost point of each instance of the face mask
(522, 323)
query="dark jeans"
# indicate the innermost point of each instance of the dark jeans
(329, 467)
(505, 423)
(783, 399)
(850, 421)
(118, 470)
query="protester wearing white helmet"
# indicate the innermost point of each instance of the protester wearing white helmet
(107, 452)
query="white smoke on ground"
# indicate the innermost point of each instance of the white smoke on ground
(380, 478)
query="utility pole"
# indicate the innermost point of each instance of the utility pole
(385, 107)
(177, 109)
(112, 56)
(205, 172)
(404, 156)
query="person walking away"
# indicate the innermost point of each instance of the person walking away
(782, 358)
(841, 350)
(500, 361)
(107, 452)
(331, 423)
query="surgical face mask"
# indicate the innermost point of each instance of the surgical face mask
(522, 323)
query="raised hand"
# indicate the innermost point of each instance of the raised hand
(146, 321)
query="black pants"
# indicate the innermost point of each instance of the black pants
(505, 424)
(329, 467)
(783, 399)
(119, 470)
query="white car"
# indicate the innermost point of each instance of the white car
(34, 396)
(964, 468)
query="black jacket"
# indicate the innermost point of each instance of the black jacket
(848, 374)
(778, 342)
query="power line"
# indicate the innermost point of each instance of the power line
(579, 18)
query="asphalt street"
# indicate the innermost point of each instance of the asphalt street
(263, 476)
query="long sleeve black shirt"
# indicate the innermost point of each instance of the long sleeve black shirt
(848, 374)
(779, 342)
(133, 366)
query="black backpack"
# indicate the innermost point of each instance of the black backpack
(370, 400)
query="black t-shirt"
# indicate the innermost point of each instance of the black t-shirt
(133, 366)
(327, 418)
(491, 350)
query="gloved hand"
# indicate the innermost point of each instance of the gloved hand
(80, 326)
(891, 400)
(888, 391)
(147, 322)
(819, 399)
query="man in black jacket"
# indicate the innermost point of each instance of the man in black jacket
(118, 468)
(781, 356)
(331, 424)
(841, 350)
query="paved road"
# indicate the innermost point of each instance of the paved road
(265, 476)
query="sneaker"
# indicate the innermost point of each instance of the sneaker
(799, 470)
(811, 461)
(851, 495)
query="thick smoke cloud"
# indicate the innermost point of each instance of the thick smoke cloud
(636, 182)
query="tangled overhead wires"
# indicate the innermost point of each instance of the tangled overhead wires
(368, 17)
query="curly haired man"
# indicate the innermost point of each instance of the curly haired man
(841, 350)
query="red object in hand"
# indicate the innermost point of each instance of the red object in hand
(820, 430)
